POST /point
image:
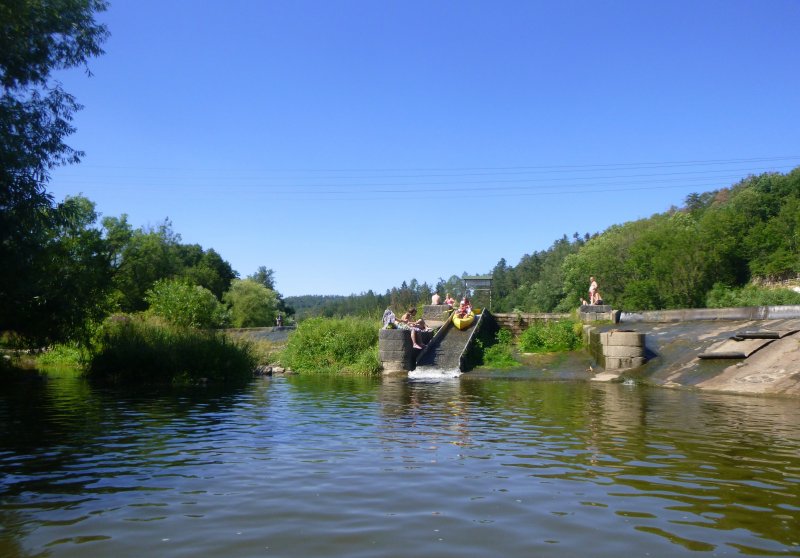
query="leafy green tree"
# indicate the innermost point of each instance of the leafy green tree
(148, 256)
(251, 304)
(145, 255)
(73, 274)
(37, 38)
(454, 285)
(185, 305)
(403, 298)
(264, 276)
(118, 233)
(501, 285)
(206, 268)
(774, 244)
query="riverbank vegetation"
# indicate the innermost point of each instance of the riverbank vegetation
(551, 336)
(500, 353)
(325, 345)
(145, 350)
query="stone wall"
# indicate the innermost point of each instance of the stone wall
(598, 313)
(519, 322)
(436, 312)
(690, 314)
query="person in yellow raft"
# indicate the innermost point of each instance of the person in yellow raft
(464, 308)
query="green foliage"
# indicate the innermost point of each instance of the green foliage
(671, 260)
(185, 305)
(251, 304)
(66, 274)
(722, 296)
(328, 345)
(551, 336)
(145, 258)
(264, 276)
(70, 355)
(142, 257)
(142, 350)
(36, 40)
(368, 362)
(501, 353)
(537, 283)
(205, 268)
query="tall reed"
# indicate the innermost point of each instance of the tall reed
(147, 351)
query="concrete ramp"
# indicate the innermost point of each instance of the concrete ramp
(744, 344)
(444, 354)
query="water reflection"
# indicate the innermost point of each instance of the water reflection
(322, 466)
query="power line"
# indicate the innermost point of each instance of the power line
(620, 166)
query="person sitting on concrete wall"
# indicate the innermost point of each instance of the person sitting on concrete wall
(408, 321)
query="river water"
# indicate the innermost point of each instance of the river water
(490, 464)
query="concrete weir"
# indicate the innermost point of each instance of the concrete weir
(446, 348)
(735, 350)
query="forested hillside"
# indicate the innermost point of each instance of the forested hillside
(674, 259)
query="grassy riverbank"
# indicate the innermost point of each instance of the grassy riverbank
(327, 345)
(144, 350)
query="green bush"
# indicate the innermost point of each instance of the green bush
(185, 305)
(501, 353)
(252, 304)
(144, 350)
(551, 336)
(333, 345)
(721, 296)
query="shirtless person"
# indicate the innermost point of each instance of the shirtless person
(592, 290)
(407, 320)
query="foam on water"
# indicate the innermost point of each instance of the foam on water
(434, 372)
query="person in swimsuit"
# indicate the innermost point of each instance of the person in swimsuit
(409, 321)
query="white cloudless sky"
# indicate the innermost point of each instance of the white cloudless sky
(352, 145)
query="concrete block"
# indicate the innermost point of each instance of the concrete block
(625, 338)
(622, 351)
(617, 363)
(435, 311)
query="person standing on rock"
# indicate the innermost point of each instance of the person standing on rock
(592, 290)
(436, 299)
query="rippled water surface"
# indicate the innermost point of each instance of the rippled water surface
(483, 465)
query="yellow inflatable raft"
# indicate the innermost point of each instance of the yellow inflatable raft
(465, 322)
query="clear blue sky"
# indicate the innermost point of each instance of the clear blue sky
(352, 145)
